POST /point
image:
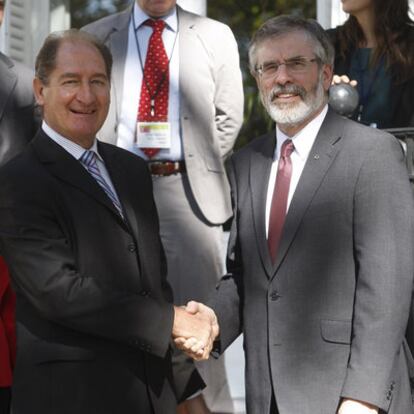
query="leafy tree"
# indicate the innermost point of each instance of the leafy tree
(86, 11)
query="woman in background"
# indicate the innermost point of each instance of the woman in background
(375, 50)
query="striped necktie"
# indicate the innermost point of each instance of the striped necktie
(88, 159)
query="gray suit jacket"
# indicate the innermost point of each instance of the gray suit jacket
(327, 320)
(211, 101)
(17, 121)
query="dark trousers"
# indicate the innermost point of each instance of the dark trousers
(5, 394)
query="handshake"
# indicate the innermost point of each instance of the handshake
(195, 329)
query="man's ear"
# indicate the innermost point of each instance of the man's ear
(38, 89)
(327, 74)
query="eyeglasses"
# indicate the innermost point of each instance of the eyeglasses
(294, 66)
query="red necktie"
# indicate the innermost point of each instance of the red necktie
(279, 199)
(153, 102)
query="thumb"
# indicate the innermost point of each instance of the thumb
(192, 307)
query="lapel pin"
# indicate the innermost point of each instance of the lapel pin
(316, 156)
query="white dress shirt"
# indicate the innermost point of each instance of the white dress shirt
(77, 151)
(133, 79)
(302, 142)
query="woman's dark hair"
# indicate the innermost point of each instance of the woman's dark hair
(394, 35)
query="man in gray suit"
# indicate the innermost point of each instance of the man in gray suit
(204, 115)
(17, 121)
(320, 260)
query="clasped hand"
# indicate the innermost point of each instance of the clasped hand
(195, 329)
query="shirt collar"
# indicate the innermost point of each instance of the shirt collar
(71, 147)
(304, 139)
(170, 19)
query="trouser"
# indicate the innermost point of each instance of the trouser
(195, 258)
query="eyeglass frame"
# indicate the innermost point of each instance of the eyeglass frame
(259, 68)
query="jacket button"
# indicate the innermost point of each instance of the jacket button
(131, 248)
(144, 293)
(275, 295)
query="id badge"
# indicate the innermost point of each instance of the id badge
(153, 135)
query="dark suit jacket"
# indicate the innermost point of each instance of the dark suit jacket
(402, 96)
(327, 320)
(94, 313)
(18, 123)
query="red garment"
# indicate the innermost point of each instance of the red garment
(153, 102)
(280, 197)
(7, 327)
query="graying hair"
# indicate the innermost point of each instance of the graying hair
(281, 25)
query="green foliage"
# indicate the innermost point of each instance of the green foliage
(87, 11)
(245, 17)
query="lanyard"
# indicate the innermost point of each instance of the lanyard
(164, 75)
(366, 90)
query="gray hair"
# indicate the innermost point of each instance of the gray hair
(46, 58)
(281, 25)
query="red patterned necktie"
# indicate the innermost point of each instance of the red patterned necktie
(279, 200)
(153, 102)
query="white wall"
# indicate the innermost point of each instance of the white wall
(27, 23)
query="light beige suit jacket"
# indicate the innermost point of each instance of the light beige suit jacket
(211, 101)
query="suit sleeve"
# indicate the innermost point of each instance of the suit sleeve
(229, 99)
(35, 241)
(383, 250)
(227, 301)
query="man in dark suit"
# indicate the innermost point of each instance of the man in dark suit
(320, 260)
(94, 312)
(18, 125)
(203, 99)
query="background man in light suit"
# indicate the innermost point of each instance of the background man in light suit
(323, 306)
(205, 108)
(94, 312)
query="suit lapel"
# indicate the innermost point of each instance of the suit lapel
(66, 168)
(121, 183)
(119, 47)
(189, 44)
(323, 152)
(8, 82)
(118, 44)
(260, 166)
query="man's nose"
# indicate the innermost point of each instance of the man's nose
(282, 75)
(85, 93)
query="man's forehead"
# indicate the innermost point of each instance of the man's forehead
(69, 51)
(290, 44)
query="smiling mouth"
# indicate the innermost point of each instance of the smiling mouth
(285, 95)
(83, 111)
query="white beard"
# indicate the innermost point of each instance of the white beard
(295, 114)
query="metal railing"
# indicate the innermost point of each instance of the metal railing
(406, 137)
